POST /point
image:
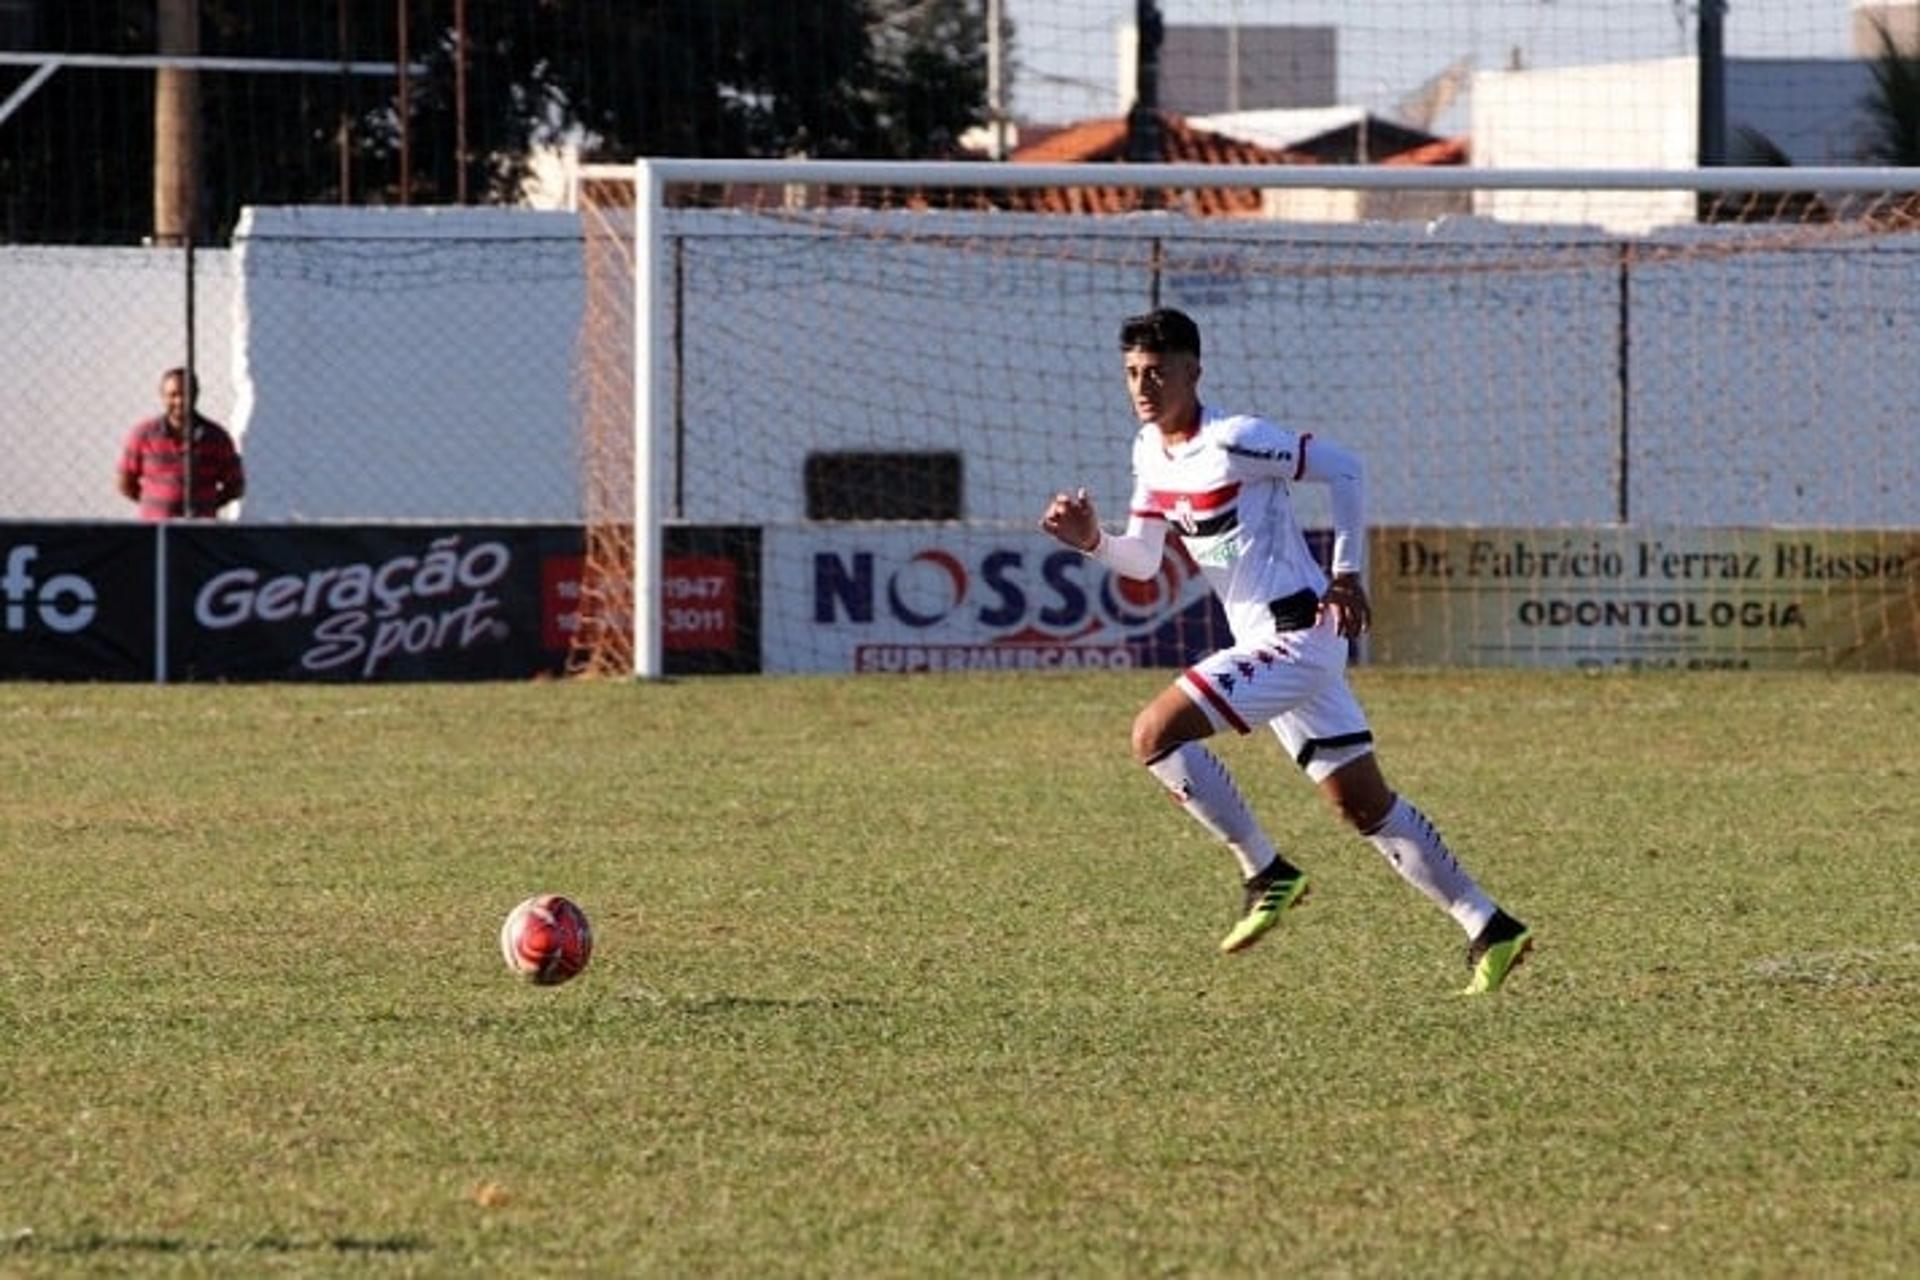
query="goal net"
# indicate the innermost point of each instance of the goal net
(1610, 418)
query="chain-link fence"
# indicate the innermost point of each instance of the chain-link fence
(87, 334)
(370, 366)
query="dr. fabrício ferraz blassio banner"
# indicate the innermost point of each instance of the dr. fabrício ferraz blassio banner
(1648, 597)
(463, 602)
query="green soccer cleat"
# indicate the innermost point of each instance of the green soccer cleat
(1497, 952)
(1268, 894)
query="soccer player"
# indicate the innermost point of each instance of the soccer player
(1223, 482)
(153, 461)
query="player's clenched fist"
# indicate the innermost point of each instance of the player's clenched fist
(1070, 517)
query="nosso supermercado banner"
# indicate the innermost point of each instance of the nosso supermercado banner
(1700, 599)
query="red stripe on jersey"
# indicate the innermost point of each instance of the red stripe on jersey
(1210, 500)
(1219, 702)
(1148, 514)
(1300, 467)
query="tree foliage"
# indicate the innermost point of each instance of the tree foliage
(1893, 107)
(831, 78)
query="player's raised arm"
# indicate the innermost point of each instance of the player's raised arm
(1071, 518)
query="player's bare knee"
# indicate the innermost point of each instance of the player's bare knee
(1165, 723)
(1359, 794)
(1150, 737)
(1364, 812)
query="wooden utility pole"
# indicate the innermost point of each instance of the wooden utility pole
(176, 127)
(460, 101)
(1143, 119)
(343, 129)
(1144, 142)
(404, 106)
(996, 82)
(1713, 83)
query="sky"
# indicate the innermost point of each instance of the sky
(1066, 55)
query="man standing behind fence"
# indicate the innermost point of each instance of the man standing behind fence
(153, 465)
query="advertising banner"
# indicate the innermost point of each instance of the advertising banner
(710, 605)
(76, 601)
(914, 598)
(709, 599)
(368, 602)
(1696, 599)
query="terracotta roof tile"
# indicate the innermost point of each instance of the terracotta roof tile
(1081, 141)
(1438, 152)
(1105, 142)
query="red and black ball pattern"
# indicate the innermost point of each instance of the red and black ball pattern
(547, 939)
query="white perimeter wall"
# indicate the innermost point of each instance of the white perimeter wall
(1763, 389)
(84, 337)
(407, 363)
(419, 364)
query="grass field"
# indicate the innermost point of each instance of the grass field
(907, 977)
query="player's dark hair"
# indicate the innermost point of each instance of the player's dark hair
(1160, 331)
(190, 381)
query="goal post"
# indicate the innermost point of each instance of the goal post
(1591, 400)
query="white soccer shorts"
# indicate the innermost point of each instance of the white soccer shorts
(1297, 682)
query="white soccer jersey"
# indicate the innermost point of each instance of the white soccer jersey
(1226, 492)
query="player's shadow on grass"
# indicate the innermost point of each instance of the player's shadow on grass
(98, 1243)
(723, 1004)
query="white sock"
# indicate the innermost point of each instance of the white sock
(1205, 789)
(1409, 842)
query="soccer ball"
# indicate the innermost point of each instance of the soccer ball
(546, 939)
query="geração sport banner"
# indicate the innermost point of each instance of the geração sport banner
(366, 602)
(1646, 597)
(207, 600)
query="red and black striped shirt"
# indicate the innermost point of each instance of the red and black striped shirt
(156, 462)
